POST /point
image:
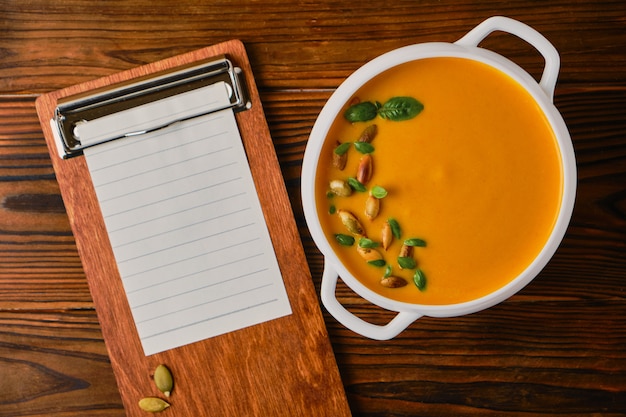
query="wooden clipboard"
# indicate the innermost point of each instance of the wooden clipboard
(283, 367)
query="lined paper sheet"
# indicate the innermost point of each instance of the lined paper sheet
(186, 225)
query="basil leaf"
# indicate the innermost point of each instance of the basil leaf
(387, 271)
(378, 192)
(361, 112)
(377, 262)
(343, 148)
(356, 185)
(345, 240)
(332, 209)
(415, 242)
(367, 243)
(364, 147)
(419, 279)
(406, 262)
(400, 108)
(395, 228)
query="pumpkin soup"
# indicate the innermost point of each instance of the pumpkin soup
(440, 182)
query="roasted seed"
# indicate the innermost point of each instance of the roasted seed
(369, 254)
(350, 221)
(368, 134)
(392, 281)
(340, 188)
(163, 380)
(386, 235)
(406, 251)
(153, 404)
(340, 155)
(405, 257)
(365, 169)
(372, 207)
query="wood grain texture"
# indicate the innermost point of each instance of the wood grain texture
(556, 348)
(231, 374)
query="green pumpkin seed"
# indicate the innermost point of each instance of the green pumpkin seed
(163, 379)
(345, 240)
(153, 404)
(395, 228)
(415, 242)
(406, 262)
(419, 279)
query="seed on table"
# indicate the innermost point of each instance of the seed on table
(163, 380)
(153, 404)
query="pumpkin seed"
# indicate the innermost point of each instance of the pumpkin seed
(345, 240)
(378, 192)
(393, 281)
(363, 147)
(369, 254)
(406, 263)
(386, 236)
(340, 188)
(365, 169)
(367, 243)
(350, 221)
(377, 262)
(153, 404)
(395, 228)
(368, 134)
(419, 279)
(163, 379)
(372, 207)
(415, 242)
(406, 251)
(356, 185)
(340, 155)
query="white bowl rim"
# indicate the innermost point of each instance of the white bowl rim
(421, 51)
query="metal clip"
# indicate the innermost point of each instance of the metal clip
(76, 110)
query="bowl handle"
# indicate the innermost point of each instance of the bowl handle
(528, 34)
(400, 322)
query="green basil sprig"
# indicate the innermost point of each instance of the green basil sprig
(396, 109)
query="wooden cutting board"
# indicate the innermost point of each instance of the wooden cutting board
(283, 367)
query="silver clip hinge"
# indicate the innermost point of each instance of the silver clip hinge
(72, 112)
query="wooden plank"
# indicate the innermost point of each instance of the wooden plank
(236, 373)
(316, 45)
(55, 363)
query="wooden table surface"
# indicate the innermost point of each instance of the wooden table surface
(556, 348)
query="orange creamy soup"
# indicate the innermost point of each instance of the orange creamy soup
(476, 175)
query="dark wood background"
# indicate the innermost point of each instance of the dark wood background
(556, 348)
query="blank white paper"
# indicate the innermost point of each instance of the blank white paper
(185, 223)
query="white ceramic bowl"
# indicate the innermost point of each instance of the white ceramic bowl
(466, 47)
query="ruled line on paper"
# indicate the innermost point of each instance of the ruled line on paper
(146, 303)
(192, 306)
(187, 229)
(221, 316)
(153, 284)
